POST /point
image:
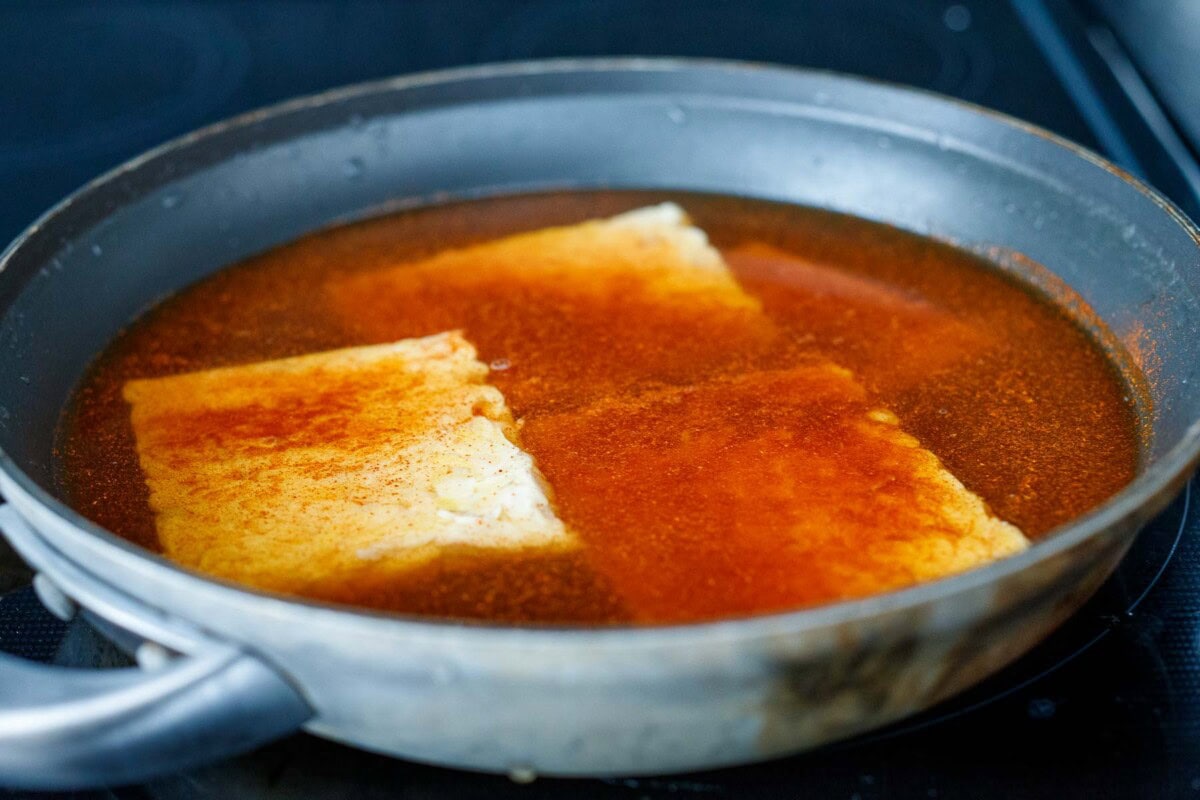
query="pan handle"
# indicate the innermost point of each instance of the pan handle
(63, 728)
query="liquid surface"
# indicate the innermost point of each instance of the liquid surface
(1017, 401)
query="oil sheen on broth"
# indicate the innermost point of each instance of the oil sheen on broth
(1018, 402)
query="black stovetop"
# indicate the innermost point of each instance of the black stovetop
(1109, 706)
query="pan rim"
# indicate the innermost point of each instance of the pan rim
(1151, 489)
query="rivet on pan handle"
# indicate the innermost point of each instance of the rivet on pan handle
(66, 728)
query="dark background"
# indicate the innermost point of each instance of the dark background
(1108, 707)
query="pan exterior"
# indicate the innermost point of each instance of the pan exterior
(605, 701)
(624, 702)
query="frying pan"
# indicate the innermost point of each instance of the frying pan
(224, 668)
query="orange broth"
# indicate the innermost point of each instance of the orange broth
(1018, 400)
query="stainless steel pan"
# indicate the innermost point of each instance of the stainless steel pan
(226, 668)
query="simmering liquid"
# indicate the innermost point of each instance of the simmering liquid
(1015, 398)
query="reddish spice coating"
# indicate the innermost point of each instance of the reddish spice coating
(795, 495)
(1019, 403)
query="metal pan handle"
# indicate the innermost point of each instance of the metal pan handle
(64, 728)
